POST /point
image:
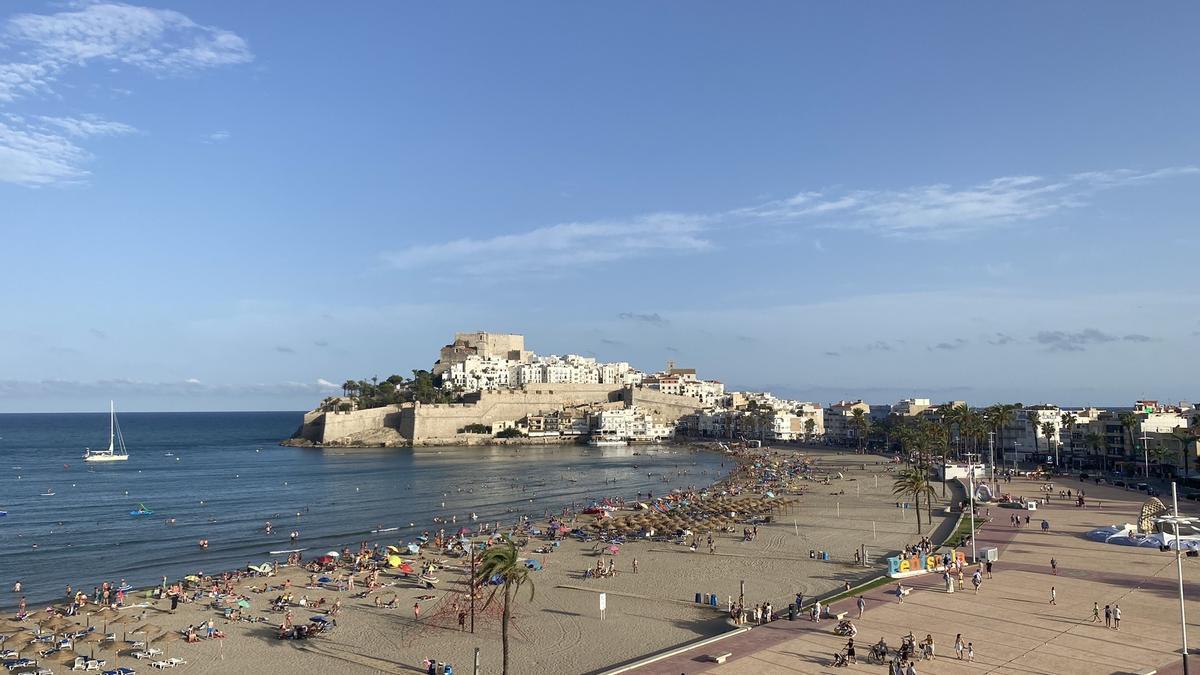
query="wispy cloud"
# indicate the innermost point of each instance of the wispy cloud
(284, 350)
(217, 137)
(1063, 341)
(565, 245)
(1137, 337)
(951, 346)
(1000, 339)
(936, 211)
(653, 318)
(38, 50)
(18, 389)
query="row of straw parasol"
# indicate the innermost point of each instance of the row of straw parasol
(709, 514)
(59, 625)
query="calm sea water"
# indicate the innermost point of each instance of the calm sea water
(226, 476)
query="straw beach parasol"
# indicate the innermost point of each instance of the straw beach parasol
(165, 641)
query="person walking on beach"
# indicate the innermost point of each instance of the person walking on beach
(417, 611)
(1053, 596)
(959, 646)
(1054, 566)
(899, 593)
(1095, 612)
(970, 652)
(1107, 616)
(635, 565)
(862, 606)
(817, 611)
(989, 569)
(1116, 617)
(462, 619)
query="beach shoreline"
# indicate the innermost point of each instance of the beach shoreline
(656, 603)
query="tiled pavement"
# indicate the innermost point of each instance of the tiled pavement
(1010, 621)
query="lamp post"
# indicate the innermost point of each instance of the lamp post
(971, 471)
(1175, 521)
(1145, 453)
(992, 457)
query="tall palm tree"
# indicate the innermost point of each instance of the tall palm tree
(1094, 441)
(1129, 422)
(1034, 420)
(810, 427)
(1186, 437)
(1048, 432)
(501, 560)
(861, 424)
(1068, 423)
(914, 483)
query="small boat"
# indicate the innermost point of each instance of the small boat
(3, 514)
(168, 454)
(141, 511)
(287, 550)
(116, 441)
(48, 493)
(384, 529)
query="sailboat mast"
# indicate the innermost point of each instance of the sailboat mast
(112, 425)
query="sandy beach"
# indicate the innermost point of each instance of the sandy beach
(561, 629)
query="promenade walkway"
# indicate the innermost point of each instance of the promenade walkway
(1011, 622)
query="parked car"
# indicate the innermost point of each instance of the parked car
(1084, 476)
(1141, 487)
(1118, 483)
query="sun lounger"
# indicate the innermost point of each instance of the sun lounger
(80, 663)
(95, 664)
(176, 661)
(119, 671)
(154, 651)
(162, 665)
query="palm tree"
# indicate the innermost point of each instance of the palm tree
(913, 483)
(501, 560)
(1048, 432)
(861, 424)
(1186, 437)
(1068, 423)
(810, 427)
(1094, 441)
(1129, 421)
(1033, 417)
(1159, 454)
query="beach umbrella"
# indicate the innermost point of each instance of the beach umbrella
(243, 603)
(91, 639)
(614, 549)
(333, 554)
(405, 567)
(165, 641)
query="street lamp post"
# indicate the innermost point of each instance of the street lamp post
(992, 458)
(1145, 453)
(971, 471)
(1175, 521)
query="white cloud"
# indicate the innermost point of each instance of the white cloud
(924, 211)
(192, 380)
(564, 245)
(89, 125)
(217, 137)
(36, 50)
(32, 157)
(326, 384)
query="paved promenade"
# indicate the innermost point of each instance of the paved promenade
(1011, 622)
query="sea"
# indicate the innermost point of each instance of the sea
(222, 476)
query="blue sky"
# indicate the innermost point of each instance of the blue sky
(220, 205)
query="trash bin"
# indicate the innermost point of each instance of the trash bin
(697, 598)
(712, 600)
(449, 669)
(792, 612)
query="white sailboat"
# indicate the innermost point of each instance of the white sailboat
(116, 442)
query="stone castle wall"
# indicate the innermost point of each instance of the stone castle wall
(438, 424)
